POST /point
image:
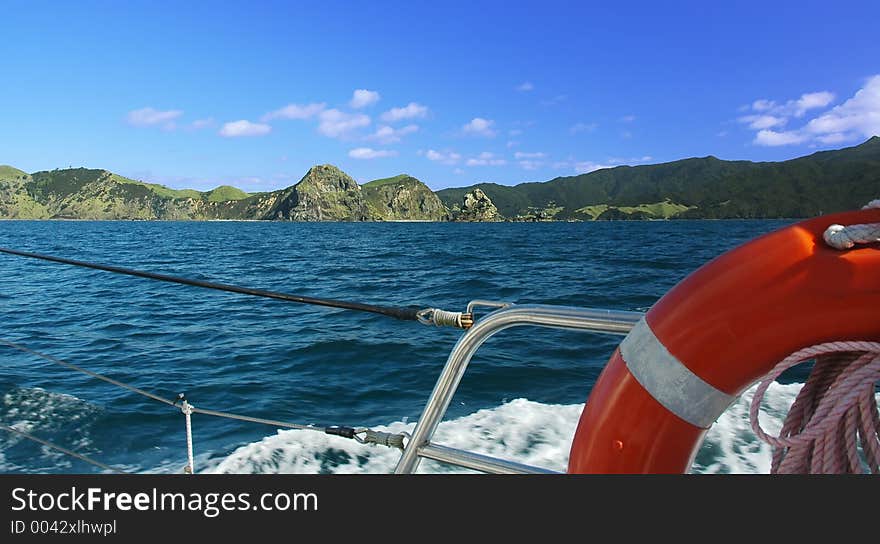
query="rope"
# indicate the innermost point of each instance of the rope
(381, 438)
(845, 237)
(48, 444)
(834, 412)
(443, 318)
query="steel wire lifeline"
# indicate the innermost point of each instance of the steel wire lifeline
(359, 434)
(426, 316)
(56, 447)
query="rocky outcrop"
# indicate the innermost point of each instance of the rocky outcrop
(325, 193)
(476, 206)
(403, 198)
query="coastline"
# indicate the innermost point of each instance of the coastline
(651, 220)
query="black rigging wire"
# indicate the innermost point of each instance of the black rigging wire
(407, 314)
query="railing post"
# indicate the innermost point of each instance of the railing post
(187, 410)
(608, 321)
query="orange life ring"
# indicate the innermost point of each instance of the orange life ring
(716, 333)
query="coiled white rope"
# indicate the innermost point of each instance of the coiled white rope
(834, 412)
(443, 318)
(845, 237)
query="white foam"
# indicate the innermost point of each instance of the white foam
(520, 430)
(41, 412)
(731, 446)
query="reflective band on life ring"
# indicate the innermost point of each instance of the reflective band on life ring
(670, 382)
(716, 333)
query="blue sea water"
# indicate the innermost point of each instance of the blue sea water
(520, 398)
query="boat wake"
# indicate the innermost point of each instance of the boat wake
(520, 430)
(53, 416)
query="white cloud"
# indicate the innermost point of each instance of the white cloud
(812, 101)
(458, 171)
(410, 111)
(584, 167)
(149, 117)
(525, 87)
(858, 117)
(627, 118)
(771, 110)
(762, 105)
(631, 160)
(335, 123)
(332, 122)
(486, 159)
(296, 111)
(834, 138)
(514, 132)
(361, 98)
(523, 155)
(583, 127)
(480, 127)
(512, 144)
(389, 135)
(773, 138)
(369, 153)
(760, 122)
(244, 128)
(448, 157)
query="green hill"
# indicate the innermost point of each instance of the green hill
(387, 181)
(225, 193)
(402, 198)
(15, 201)
(707, 187)
(8, 172)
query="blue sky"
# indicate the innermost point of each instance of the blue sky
(254, 93)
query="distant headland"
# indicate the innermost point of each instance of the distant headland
(696, 188)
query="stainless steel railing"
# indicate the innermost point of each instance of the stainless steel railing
(509, 315)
